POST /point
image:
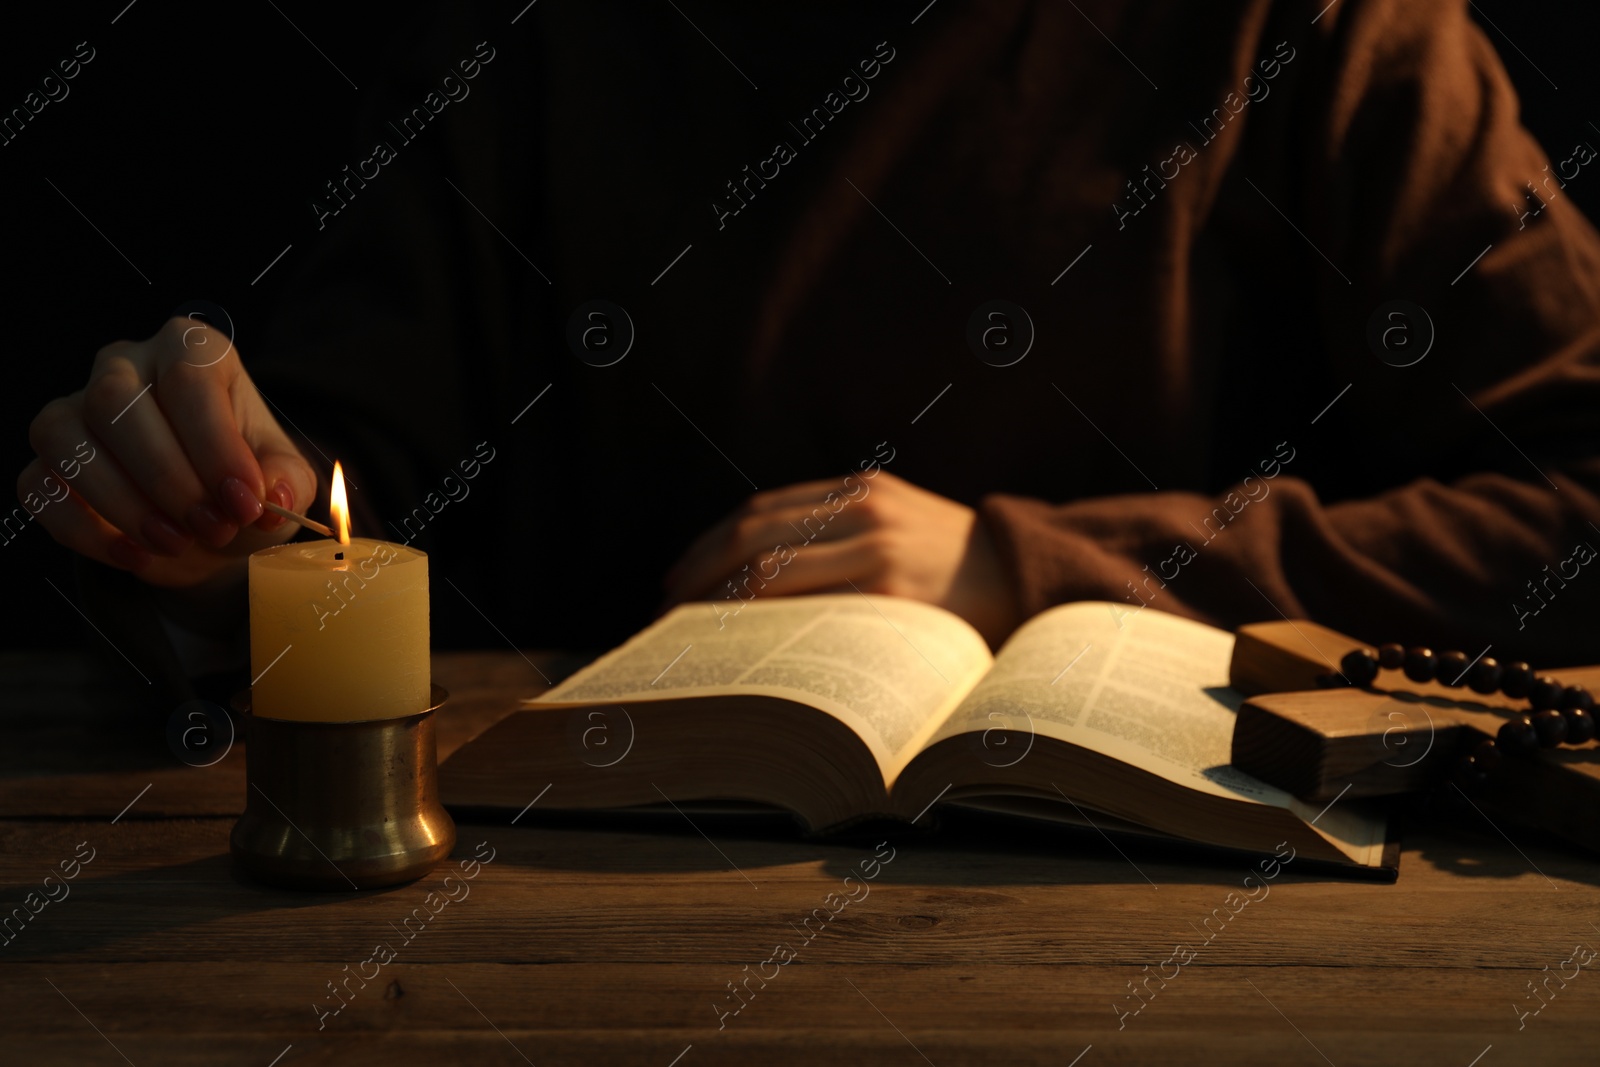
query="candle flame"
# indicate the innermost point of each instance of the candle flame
(339, 505)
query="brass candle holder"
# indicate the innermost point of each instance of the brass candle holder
(341, 805)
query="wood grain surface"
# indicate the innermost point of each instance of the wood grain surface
(615, 942)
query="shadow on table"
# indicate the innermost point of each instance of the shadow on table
(170, 901)
(968, 849)
(1465, 842)
(973, 848)
(967, 852)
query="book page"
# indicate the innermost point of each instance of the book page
(1141, 686)
(889, 668)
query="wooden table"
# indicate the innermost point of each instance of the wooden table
(615, 944)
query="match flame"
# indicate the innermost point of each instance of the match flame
(339, 506)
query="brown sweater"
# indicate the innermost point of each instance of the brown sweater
(1203, 421)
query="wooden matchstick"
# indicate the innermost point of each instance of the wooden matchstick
(301, 519)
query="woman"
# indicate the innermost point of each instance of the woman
(1253, 311)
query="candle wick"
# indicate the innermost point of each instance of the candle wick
(338, 555)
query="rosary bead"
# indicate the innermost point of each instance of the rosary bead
(1421, 664)
(1484, 677)
(1576, 696)
(1516, 679)
(1551, 728)
(1453, 667)
(1518, 737)
(1546, 693)
(1559, 714)
(1360, 665)
(1580, 725)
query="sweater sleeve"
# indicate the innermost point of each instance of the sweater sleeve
(1406, 162)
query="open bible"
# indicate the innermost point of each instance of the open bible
(847, 708)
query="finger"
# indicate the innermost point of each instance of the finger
(106, 488)
(815, 568)
(65, 445)
(824, 567)
(119, 412)
(73, 523)
(741, 536)
(199, 402)
(291, 481)
(746, 532)
(791, 497)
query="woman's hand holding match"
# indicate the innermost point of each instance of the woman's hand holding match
(161, 463)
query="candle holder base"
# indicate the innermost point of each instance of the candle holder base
(341, 805)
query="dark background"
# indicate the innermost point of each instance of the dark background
(196, 138)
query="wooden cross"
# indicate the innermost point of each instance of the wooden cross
(1401, 736)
